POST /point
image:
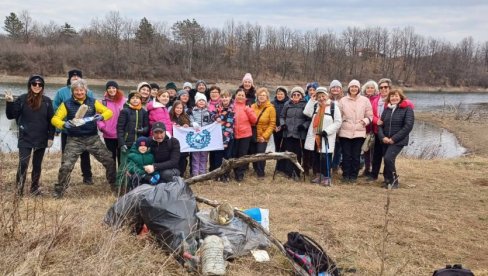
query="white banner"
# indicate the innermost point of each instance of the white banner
(208, 138)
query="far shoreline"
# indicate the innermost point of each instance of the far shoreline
(230, 83)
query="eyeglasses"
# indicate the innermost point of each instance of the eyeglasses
(296, 95)
(384, 87)
(37, 84)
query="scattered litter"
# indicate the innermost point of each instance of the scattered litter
(260, 256)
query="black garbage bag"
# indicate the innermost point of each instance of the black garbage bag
(127, 211)
(169, 211)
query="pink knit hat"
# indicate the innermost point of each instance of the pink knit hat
(248, 77)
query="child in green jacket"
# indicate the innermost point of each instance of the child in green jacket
(140, 156)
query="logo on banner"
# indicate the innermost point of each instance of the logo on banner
(198, 140)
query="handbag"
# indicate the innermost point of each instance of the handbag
(368, 143)
(254, 137)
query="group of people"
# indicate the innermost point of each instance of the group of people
(325, 128)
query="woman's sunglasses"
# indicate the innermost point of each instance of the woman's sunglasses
(37, 84)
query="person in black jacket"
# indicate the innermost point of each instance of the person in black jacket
(33, 112)
(279, 101)
(398, 120)
(166, 151)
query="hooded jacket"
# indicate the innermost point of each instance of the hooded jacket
(109, 127)
(159, 113)
(129, 121)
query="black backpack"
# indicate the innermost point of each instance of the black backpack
(453, 270)
(309, 254)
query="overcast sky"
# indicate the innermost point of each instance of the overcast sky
(447, 19)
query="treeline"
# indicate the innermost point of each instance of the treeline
(117, 47)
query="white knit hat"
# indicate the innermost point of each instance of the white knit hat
(321, 89)
(335, 83)
(297, 89)
(187, 84)
(354, 83)
(200, 96)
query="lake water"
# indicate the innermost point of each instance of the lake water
(426, 140)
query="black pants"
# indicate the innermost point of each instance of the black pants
(293, 145)
(24, 158)
(377, 157)
(258, 148)
(216, 157)
(279, 147)
(241, 148)
(390, 154)
(112, 146)
(351, 156)
(183, 163)
(85, 158)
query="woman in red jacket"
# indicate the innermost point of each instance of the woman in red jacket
(244, 117)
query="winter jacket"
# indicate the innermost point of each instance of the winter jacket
(201, 117)
(278, 105)
(329, 125)
(267, 121)
(131, 120)
(166, 153)
(159, 113)
(244, 118)
(136, 160)
(397, 123)
(109, 127)
(371, 99)
(35, 126)
(64, 94)
(226, 116)
(292, 116)
(355, 110)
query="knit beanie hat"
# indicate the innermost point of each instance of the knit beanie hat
(171, 85)
(154, 86)
(283, 89)
(321, 89)
(248, 77)
(312, 84)
(354, 83)
(181, 93)
(134, 94)
(142, 141)
(297, 89)
(187, 84)
(200, 96)
(74, 72)
(34, 79)
(200, 81)
(111, 83)
(142, 84)
(335, 83)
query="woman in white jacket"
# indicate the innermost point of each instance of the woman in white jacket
(321, 135)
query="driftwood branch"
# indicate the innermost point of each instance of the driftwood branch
(253, 224)
(228, 165)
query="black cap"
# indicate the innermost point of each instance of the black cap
(35, 78)
(111, 83)
(158, 126)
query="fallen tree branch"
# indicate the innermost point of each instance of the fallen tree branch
(228, 165)
(254, 224)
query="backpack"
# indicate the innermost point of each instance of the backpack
(310, 255)
(453, 270)
(332, 109)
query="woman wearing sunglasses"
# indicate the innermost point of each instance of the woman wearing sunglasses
(32, 112)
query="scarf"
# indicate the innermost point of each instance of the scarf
(136, 107)
(317, 124)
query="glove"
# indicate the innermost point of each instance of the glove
(8, 96)
(68, 125)
(98, 117)
(140, 130)
(49, 143)
(301, 127)
(155, 179)
(326, 138)
(283, 127)
(123, 148)
(324, 134)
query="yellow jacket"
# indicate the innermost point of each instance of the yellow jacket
(267, 122)
(62, 112)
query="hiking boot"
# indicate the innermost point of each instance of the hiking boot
(371, 178)
(87, 180)
(325, 182)
(58, 194)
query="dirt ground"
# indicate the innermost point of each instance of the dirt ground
(439, 216)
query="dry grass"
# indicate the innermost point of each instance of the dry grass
(438, 216)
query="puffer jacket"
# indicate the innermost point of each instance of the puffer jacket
(329, 124)
(267, 121)
(244, 117)
(397, 123)
(136, 160)
(201, 117)
(166, 153)
(353, 112)
(226, 116)
(292, 116)
(109, 127)
(159, 113)
(376, 116)
(279, 106)
(129, 121)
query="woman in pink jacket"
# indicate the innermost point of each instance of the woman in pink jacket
(244, 117)
(158, 111)
(357, 113)
(113, 99)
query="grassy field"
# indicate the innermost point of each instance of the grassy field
(438, 216)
